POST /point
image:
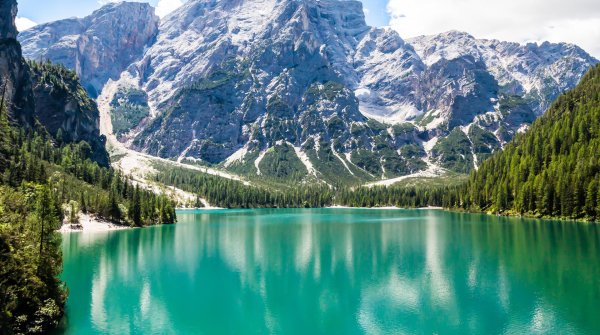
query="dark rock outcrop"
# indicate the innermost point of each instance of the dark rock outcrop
(14, 72)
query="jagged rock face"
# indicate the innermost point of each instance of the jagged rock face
(98, 47)
(389, 70)
(290, 82)
(269, 73)
(285, 88)
(8, 12)
(234, 82)
(538, 72)
(14, 73)
(45, 96)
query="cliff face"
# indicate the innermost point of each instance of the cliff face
(45, 95)
(8, 11)
(14, 73)
(98, 47)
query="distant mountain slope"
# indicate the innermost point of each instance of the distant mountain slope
(98, 47)
(553, 169)
(538, 73)
(307, 84)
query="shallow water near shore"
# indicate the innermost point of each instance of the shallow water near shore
(335, 271)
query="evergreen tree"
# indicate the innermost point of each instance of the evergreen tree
(135, 209)
(83, 203)
(5, 138)
(46, 216)
(554, 168)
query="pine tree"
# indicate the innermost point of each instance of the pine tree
(47, 218)
(83, 203)
(114, 211)
(5, 137)
(135, 210)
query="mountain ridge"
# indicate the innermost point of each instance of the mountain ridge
(226, 83)
(553, 170)
(128, 28)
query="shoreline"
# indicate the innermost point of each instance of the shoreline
(450, 210)
(383, 208)
(91, 224)
(210, 208)
(328, 207)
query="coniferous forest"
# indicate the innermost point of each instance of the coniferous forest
(226, 193)
(553, 170)
(43, 182)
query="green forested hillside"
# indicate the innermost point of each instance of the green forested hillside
(227, 193)
(553, 170)
(40, 184)
(234, 194)
(48, 175)
(63, 110)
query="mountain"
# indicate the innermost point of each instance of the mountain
(45, 97)
(125, 29)
(305, 90)
(553, 170)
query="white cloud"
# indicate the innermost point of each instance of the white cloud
(574, 21)
(165, 7)
(24, 23)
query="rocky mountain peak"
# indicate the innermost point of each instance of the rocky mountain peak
(98, 47)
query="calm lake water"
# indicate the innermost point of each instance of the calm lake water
(336, 271)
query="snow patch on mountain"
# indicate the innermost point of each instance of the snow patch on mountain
(432, 171)
(337, 155)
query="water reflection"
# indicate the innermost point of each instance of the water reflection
(336, 271)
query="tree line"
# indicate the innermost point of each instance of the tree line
(227, 193)
(44, 181)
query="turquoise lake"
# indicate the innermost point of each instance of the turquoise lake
(335, 271)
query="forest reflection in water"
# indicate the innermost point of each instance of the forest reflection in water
(336, 271)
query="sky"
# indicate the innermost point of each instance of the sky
(573, 21)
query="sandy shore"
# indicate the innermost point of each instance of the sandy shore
(91, 224)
